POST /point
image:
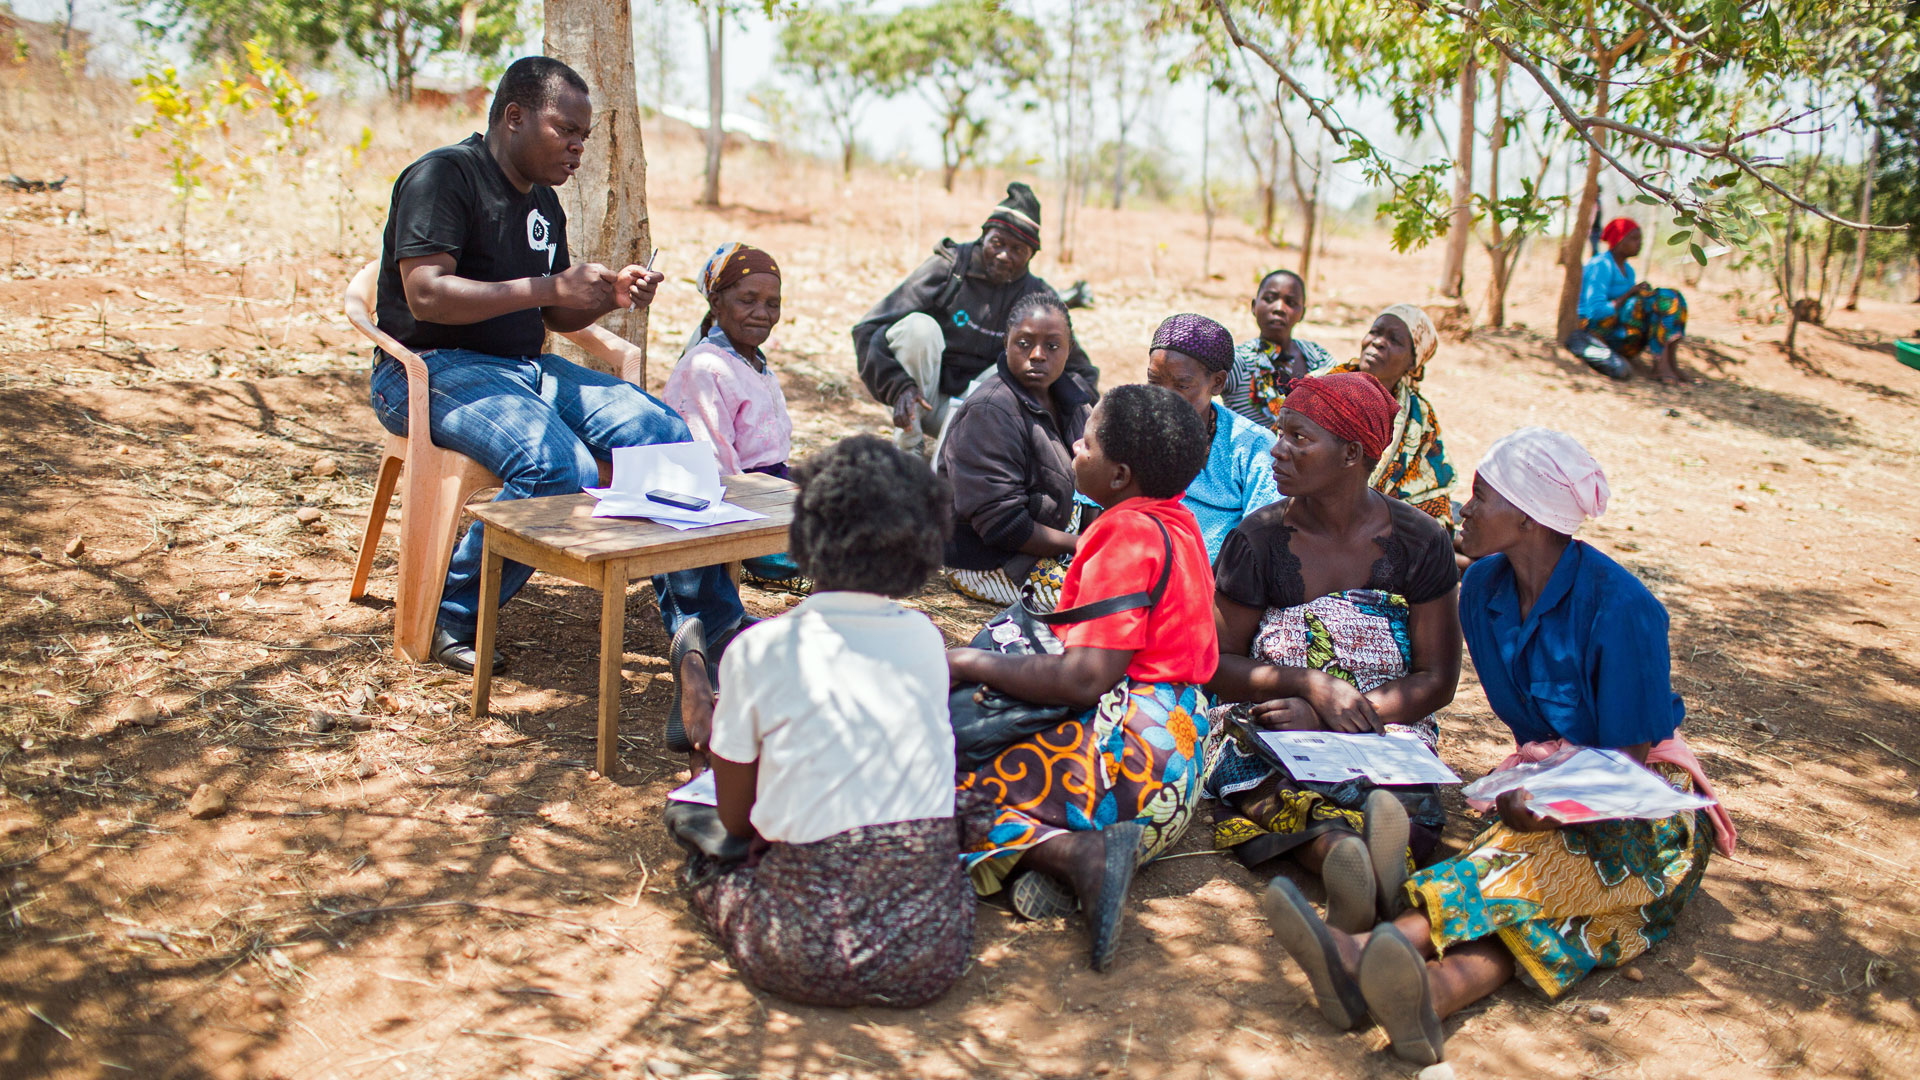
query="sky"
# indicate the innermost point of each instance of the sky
(902, 128)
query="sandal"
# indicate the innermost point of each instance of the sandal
(690, 638)
(1123, 841)
(1386, 833)
(1348, 876)
(1393, 982)
(1039, 896)
(1309, 942)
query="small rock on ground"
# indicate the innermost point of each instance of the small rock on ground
(320, 723)
(307, 515)
(326, 466)
(76, 547)
(1599, 1014)
(663, 1067)
(1634, 975)
(207, 802)
(140, 711)
(1442, 1071)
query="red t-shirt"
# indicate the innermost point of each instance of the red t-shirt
(1122, 553)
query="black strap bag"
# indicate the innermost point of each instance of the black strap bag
(986, 721)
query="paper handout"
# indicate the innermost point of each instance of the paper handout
(699, 790)
(685, 468)
(1585, 784)
(1330, 757)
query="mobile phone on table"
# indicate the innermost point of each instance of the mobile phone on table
(674, 498)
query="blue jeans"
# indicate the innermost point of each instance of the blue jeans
(543, 424)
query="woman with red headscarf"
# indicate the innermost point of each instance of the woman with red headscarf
(1626, 316)
(1336, 611)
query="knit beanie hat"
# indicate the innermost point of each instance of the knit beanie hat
(1019, 214)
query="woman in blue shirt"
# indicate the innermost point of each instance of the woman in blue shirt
(1572, 651)
(1191, 355)
(1630, 317)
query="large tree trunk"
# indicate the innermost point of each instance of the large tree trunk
(716, 100)
(1453, 269)
(606, 202)
(1570, 250)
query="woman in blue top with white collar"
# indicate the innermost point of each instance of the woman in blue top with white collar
(1191, 355)
(1628, 316)
(1571, 650)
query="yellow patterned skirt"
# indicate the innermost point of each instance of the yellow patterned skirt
(1567, 901)
(1132, 757)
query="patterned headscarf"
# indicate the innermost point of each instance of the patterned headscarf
(729, 263)
(1549, 476)
(1426, 340)
(1209, 343)
(1617, 230)
(1352, 405)
(1415, 468)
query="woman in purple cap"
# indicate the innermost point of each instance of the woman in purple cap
(1192, 355)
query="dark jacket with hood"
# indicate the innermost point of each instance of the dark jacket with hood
(1011, 467)
(972, 313)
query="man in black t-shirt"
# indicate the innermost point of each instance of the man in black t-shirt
(473, 273)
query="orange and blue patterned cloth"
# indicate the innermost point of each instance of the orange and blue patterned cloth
(1134, 756)
(1571, 899)
(1647, 318)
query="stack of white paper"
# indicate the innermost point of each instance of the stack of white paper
(687, 468)
(1586, 784)
(1332, 757)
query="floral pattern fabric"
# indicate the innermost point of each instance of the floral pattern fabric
(1415, 468)
(1362, 637)
(878, 915)
(1566, 901)
(1257, 384)
(1135, 756)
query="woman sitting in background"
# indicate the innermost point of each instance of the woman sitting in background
(1572, 651)
(1630, 317)
(833, 757)
(1008, 452)
(1414, 467)
(1337, 612)
(1191, 356)
(1265, 368)
(1082, 804)
(722, 386)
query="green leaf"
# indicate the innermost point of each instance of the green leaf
(1680, 237)
(1699, 254)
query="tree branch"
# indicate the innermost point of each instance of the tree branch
(1585, 125)
(1328, 120)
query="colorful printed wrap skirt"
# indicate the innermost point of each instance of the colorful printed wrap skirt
(1567, 901)
(1042, 585)
(1135, 756)
(1360, 636)
(879, 915)
(1647, 316)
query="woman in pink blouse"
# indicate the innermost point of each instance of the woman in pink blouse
(722, 386)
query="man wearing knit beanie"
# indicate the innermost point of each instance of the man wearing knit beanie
(920, 348)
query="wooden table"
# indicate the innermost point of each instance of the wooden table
(560, 535)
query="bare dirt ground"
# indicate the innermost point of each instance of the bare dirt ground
(408, 892)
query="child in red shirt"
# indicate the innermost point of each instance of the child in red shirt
(1084, 803)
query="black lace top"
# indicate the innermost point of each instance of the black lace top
(1258, 569)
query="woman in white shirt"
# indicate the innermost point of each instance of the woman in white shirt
(830, 870)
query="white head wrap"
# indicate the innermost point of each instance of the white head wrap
(1549, 476)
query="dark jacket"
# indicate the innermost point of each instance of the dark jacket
(1011, 468)
(970, 310)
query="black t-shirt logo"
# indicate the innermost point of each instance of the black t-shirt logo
(539, 236)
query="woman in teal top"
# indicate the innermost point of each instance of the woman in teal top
(1191, 355)
(1627, 316)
